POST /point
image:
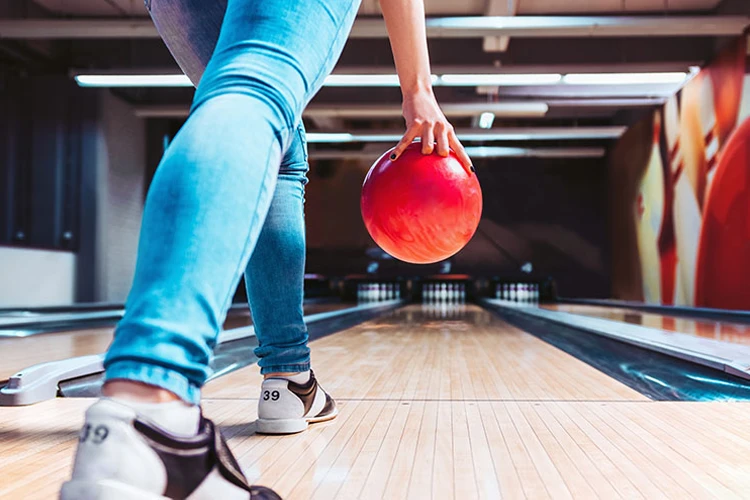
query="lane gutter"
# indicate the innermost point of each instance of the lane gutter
(661, 365)
(81, 376)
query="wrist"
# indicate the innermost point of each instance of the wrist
(420, 87)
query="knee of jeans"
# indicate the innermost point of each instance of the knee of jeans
(269, 93)
(294, 165)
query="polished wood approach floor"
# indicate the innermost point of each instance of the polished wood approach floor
(463, 408)
(20, 353)
(716, 330)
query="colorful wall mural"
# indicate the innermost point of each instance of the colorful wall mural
(680, 186)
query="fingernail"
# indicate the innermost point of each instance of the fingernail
(471, 167)
(393, 156)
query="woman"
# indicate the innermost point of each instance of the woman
(227, 198)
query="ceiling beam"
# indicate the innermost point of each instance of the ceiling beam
(446, 27)
(520, 109)
(499, 8)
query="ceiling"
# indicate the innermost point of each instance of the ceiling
(568, 106)
(433, 7)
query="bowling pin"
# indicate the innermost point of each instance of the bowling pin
(745, 104)
(649, 216)
(686, 213)
(709, 125)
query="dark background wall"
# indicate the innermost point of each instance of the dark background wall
(72, 174)
(552, 213)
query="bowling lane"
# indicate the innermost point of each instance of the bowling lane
(442, 353)
(441, 402)
(716, 330)
(20, 353)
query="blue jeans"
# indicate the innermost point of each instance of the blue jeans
(215, 208)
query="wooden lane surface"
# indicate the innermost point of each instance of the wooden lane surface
(726, 332)
(414, 354)
(442, 449)
(464, 408)
(20, 353)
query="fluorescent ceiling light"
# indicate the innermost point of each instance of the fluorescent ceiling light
(335, 80)
(325, 138)
(391, 80)
(486, 120)
(361, 81)
(133, 81)
(319, 137)
(477, 152)
(367, 80)
(514, 134)
(498, 79)
(500, 152)
(624, 78)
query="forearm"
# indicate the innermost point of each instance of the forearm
(405, 22)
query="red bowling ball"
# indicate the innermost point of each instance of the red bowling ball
(421, 208)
